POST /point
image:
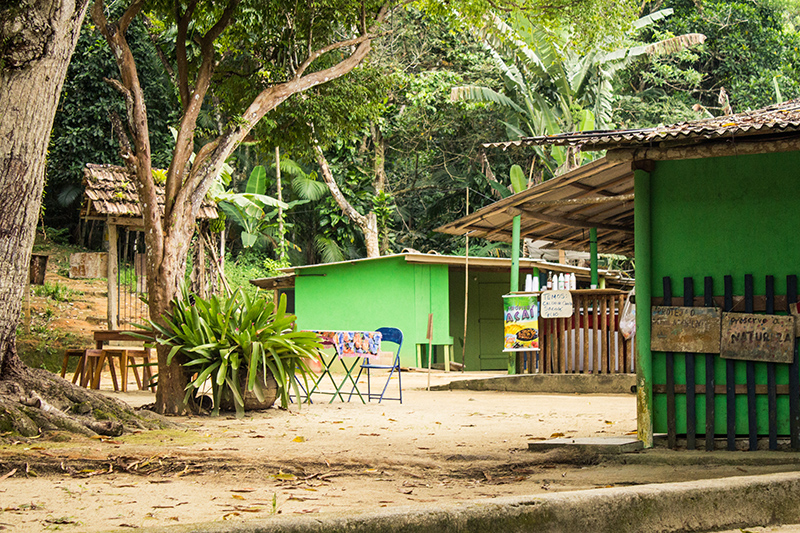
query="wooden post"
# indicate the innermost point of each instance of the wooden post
(643, 360)
(593, 254)
(430, 347)
(112, 277)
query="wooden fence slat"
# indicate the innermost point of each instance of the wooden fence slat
(772, 394)
(708, 293)
(614, 352)
(750, 368)
(604, 366)
(585, 330)
(672, 433)
(794, 374)
(691, 415)
(574, 360)
(562, 334)
(730, 377)
(627, 355)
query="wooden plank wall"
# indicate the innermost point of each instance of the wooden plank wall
(587, 342)
(708, 389)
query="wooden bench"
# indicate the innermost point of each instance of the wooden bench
(128, 356)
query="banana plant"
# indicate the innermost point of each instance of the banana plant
(549, 88)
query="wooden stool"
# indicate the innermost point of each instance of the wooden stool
(93, 363)
(73, 352)
(128, 360)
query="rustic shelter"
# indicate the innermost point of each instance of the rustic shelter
(402, 290)
(110, 196)
(589, 208)
(715, 217)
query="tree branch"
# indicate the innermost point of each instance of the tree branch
(341, 201)
(183, 20)
(365, 36)
(127, 17)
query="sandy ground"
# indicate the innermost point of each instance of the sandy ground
(441, 446)
(445, 446)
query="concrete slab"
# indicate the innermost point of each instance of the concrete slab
(549, 383)
(599, 445)
(698, 506)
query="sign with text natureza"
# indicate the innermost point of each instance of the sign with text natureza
(757, 337)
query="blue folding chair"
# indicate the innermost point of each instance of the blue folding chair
(387, 335)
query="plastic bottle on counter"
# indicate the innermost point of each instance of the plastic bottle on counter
(573, 282)
(561, 282)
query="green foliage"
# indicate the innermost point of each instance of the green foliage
(225, 339)
(56, 291)
(751, 46)
(550, 86)
(250, 264)
(82, 130)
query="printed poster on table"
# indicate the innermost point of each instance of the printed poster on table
(521, 329)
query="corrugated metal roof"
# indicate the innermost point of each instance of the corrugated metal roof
(776, 120)
(477, 263)
(110, 191)
(561, 210)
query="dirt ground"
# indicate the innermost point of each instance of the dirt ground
(438, 446)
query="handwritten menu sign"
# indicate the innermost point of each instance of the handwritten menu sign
(685, 329)
(556, 304)
(757, 337)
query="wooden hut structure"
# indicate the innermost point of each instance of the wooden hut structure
(595, 199)
(716, 229)
(110, 196)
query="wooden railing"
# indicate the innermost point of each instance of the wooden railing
(589, 341)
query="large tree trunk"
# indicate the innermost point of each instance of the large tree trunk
(36, 43)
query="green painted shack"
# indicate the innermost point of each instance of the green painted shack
(716, 224)
(402, 290)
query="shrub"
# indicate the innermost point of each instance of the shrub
(226, 337)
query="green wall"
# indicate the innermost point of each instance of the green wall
(369, 294)
(716, 217)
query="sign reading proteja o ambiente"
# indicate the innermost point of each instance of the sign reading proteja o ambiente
(685, 329)
(757, 337)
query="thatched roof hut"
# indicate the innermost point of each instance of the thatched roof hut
(110, 193)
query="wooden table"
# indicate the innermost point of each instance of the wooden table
(124, 354)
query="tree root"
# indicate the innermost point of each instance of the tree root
(39, 401)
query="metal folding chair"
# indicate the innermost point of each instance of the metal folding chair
(388, 335)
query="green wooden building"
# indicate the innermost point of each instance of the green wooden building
(716, 224)
(402, 290)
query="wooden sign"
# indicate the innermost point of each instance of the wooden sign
(685, 329)
(758, 337)
(556, 304)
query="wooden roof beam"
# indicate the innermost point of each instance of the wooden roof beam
(566, 221)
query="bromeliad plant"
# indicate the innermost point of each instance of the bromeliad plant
(226, 337)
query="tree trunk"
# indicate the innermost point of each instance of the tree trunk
(38, 39)
(368, 224)
(379, 183)
(37, 43)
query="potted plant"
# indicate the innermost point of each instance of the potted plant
(244, 346)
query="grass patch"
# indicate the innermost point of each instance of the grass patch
(44, 346)
(56, 291)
